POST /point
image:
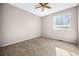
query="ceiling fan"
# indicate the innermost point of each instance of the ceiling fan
(42, 6)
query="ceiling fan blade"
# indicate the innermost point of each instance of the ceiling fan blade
(48, 7)
(41, 4)
(37, 7)
(45, 4)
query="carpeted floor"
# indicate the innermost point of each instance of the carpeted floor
(40, 47)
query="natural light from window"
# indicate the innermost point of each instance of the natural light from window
(62, 22)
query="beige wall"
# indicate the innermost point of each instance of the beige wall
(18, 25)
(78, 25)
(0, 26)
(65, 35)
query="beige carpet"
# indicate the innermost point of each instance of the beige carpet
(41, 47)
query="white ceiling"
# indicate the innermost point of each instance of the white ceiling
(30, 7)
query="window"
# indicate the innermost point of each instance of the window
(62, 22)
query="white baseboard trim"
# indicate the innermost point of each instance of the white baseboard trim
(34, 38)
(18, 42)
(62, 40)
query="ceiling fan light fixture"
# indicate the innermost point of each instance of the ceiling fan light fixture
(42, 6)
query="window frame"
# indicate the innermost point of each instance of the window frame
(56, 26)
